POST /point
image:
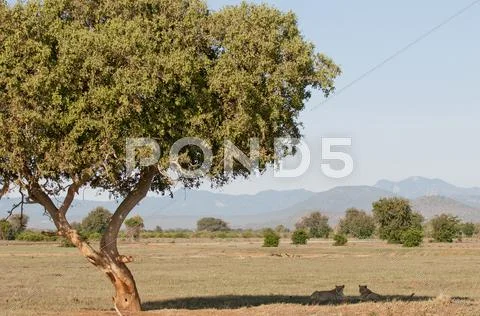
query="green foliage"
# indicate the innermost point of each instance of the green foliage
(179, 234)
(357, 224)
(94, 236)
(270, 238)
(340, 240)
(134, 222)
(248, 234)
(445, 228)
(6, 230)
(394, 216)
(469, 229)
(96, 221)
(316, 224)
(412, 237)
(30, 235)
(134, 227)
(18, 222)
(212, 224)
(78, 77)
(300, 237)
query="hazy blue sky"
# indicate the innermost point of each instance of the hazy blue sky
(416, 115)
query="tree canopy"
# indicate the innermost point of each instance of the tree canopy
(212, 224)
(78, 78)
(445, 227)
(316, 224)
(394, 217)
(96, 221)
(357, 223)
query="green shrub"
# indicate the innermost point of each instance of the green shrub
(315, 224)
(270, 238)
(299, 237)
(18, 223)
(134, 227)
(221, 235)
(445, 228)
(180, 235)
(395, 216)
(152, 234)
(212, 224)
(6, 230)
(340, 240)
(29, 235)
(412, 237)
(202, 234)
(95, 222)
(94, 236)
(469, 229)
(357, 223)
(248, 234)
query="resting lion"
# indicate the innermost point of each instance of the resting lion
(333, 296)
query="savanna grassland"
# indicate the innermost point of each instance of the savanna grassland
(239, 277)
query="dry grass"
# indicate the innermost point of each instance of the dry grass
(239, 277)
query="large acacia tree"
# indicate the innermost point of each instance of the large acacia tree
(77, 78)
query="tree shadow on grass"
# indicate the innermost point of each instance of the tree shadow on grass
(239, 301)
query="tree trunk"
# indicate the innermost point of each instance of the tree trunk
(126, 297)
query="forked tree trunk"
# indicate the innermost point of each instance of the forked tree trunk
(126, 297)
(107, 259)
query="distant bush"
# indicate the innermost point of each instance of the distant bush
(340, 240)
(412, 237)
(300, 237)
(180, 235)
(247, 234)
(30, 235)
(94, 236)
(395, 216)
(212, 224)
(316, 224)
(469, 229)
(148, 235)
(18, 222)
(357, 224)
(134, 227)
(95, 222)
(445, 228)
(270, 238)
(6, 230)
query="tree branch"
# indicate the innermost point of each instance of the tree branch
(5, 188)
(67, 202)
(63, 227)
(108, 243)
(36, 192)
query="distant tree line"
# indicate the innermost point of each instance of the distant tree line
(391, 219)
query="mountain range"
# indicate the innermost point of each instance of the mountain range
(269, 208)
